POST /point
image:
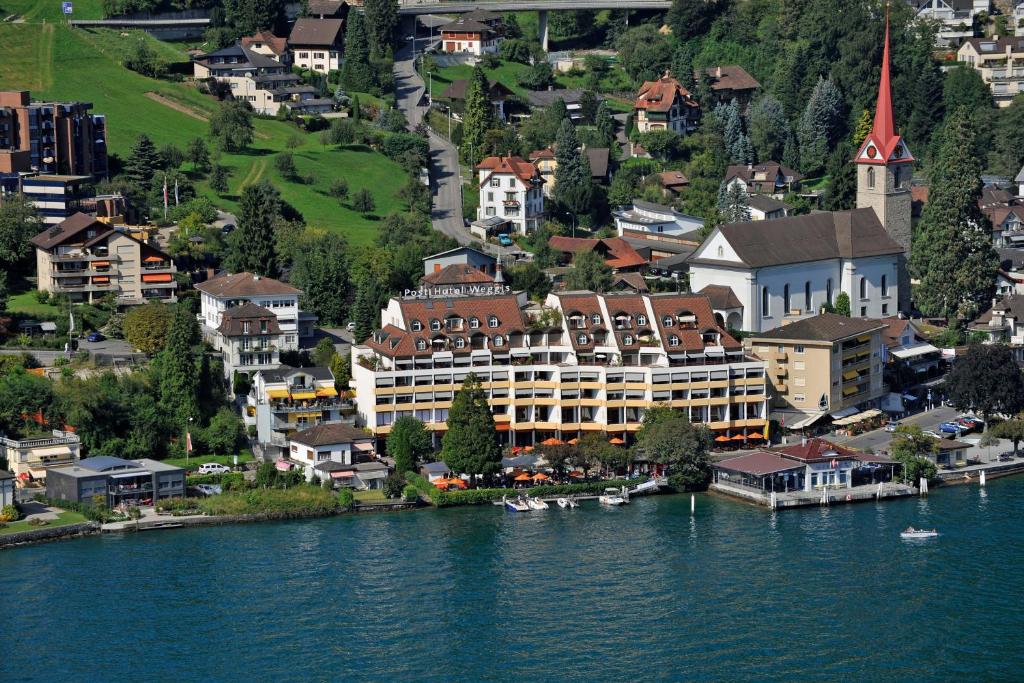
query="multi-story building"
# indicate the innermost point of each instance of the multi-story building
(316, 44)
(56, 197)
(511, 188)
(955, 18)
(88, 260)
(336, 443)
(665, 104)
(286, 400)
(227, 291)
(825, 364)
(1000, 61)
(30, 458)
(469, 35)
(268, 45)
(582, 362)
(249, 339)
(58, 138)
(257, 78)
(642, 219)
(117, 481)
(6, 488)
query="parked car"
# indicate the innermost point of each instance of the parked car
(227, 228)
(504, 240)
(970, 423)
(209, 489)
(212, 468)
(351, 327)
(891, 427)
(950, 428)
(934, 434)
(95, 337)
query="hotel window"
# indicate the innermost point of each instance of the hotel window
(673, 340)
(641, 319)
(798, 349)
(626, 339)
(885, 287)
(421, 345)
(667, 321)
(581, 339)
(492, 321)
(303, 55)
(499, 340)
(435, 324)
(596, 319)
(495, 182)
(765, 311)
(416, 326)
(460, 343)
(474, 323)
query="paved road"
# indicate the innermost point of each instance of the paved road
(445, 181)
(879, 438)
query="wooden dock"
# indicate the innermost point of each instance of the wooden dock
(792, 499)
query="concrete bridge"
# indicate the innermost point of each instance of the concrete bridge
(167, 29)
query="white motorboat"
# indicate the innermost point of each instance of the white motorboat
(515, 505)
(563, 503)
(612, 497)
(536, 504)
(912, 533)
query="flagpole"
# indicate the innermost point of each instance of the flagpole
(165, 196)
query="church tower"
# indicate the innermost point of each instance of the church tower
(884, 170)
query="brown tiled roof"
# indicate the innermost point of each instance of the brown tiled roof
(660, 95)
(457, 274)
(231, 321)
(463, 25)
(327, 8)
(331, 433)
(66, 229)
(618, 253)
(599, 158)
(894, 328)
(770, 169)
(999, 214)
(673, 179)
(721, 296)
(586, 304)
(308, 31)
(816, 450)
(244, 284)
(632, 305)
(634, 281)
(826, 327)
(731, 77)
(546, 153)
(457, 90)
(758, 463)
(690, 339)
(517, 166)
(277, 45)
(1015, 43)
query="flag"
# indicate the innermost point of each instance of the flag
(188, 442)
(175, 191)
(165, 194)
(71, 325)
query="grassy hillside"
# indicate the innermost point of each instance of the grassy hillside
(55, 61)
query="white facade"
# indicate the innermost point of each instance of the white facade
(319, 59)
(510, 197)
(645, 217)
(284, 306)
(955, 18)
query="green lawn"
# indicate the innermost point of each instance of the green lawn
(26, 304)
(55, 61)
(50, 10)
(64, 518)
(197, 460)
(371, 496)
(508, 74)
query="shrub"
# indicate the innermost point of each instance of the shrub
(345, 499)
(409, 493)
(233, 481)
(393, 485)
(9, 513)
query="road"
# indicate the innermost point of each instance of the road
(879, 438)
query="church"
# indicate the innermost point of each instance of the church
(786, 269)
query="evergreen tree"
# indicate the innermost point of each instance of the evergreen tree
(408, 443)
(320, 270)
(1007, 156)
(246, 17)
(253, 243)
(605, 124)
(965, 88)
(820, 125)
(471, 444)
(573, 183)
(842, 180)
(179, 378)
(381, 19)
(356, 72)
(728, 120)
(19, 223)
(142, 163)
(732, 203)
(953, 256)
(690, 18)
(842, 306)
(864, 125)
(364, 309)
(768, 128)
(589, 272)
(478, 117)
(791, 151)
(682, 65)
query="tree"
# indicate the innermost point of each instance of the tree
(736, 141)
(4, 293)
(952, 252)
(19, 223)
(142, 59)
(841, 193)
(820, 125)
(733, 204)
(842, 305)
(471, 445)
(965, 88)
(1012, 430)
(987, 379)
(179, 380)
(690, 18)
(768, 128)
(231, 125)
(356, 72)
(323, 353)
(672, 440)
(146, 327)
(320, 270)
(910, 447)
(589, 272)
(408, 443)
(538, 77)
(225, 433)
(219, 178)
(339, 189)
(528, 277)
(589, 451)
(1007, 156)
(252, 244)
(605, 124)
(364, 309)
(246, 17)
(644, 53)
(864, 125)
(142, 163)
(382, 19)
(362, 201)
(478, 117)
(574, 186)
(198, 154)
(285, 165)
(171, 157)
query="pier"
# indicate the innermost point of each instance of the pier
(831, 496)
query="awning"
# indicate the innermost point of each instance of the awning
(864, 338)
(502, 427)
(101, 264)
(845, 412)
(37, 472)
(344, 474)
(362, 446)
(283, 465)
(850, 391)
(323, 392)
(802, 423)
(154, 259)
(130, 475)
(157, 277)
(100, 280)
(51, 451)
(277, 393)
(850, 374)
(914, 351)
(303, 395)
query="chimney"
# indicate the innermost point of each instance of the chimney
(211, 273)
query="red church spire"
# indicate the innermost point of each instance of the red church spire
(884, 129)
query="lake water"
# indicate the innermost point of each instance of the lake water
(642, 592)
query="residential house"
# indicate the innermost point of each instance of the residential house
(267, 44)
(729, 82)
(642, 219)
(823, 364)
(1003, 322)
(116, 480)
(600, 160)
(286, 400)
(787, 269)
(673, 183)
(1006, 213)
(31, 458)
(571, 97)
(764, 208)
(469, 36)
(546, 163)
(665, 104)
(955, 18)
(1000, 61)
(465, 256)
(579, 363)
(228, 291)
(905, 345)
(6, 488)
(88, 260)
(253, 77)
(769, 178)
(250, 339)
(512, 188)
(1010, 278)
(337, 443)
(316, 44)
(497, 93)
(51, 138)
(56, 197)
(617, 252)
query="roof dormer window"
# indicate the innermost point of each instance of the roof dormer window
(627, 340)
(416, 326)
(641, 319)
(492, 321)
(595, 318)
(667, 321)
(673, 340)
(421, 345)
(474, 323)
(435, 324)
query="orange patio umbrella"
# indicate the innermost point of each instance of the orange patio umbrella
(616, 441)
(540, 476)
(523, 477)
(529, 449)
(755, 435)
(573, 441)
(739, 437)
(517, 449)
(722, 438)
(552, 441)
(576, 475)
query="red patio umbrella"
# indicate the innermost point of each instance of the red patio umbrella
(552, 441)
(616, 441)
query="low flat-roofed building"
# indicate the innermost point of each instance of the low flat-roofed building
(31, 458)
(118, 481)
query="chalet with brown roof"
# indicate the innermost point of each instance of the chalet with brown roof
(266, 43)
(498, 93)
(767, 178)
(617, 252)
(330, 9)
(729, 82)
(316, 44)
(87, 260)
(227, 291)
(511, 188)
(673, 183)
(665, 104)
(249, 338)
(470, 36)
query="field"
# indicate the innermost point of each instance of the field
(194, 461)
(55, 61)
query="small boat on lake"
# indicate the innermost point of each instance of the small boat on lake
(567, 503)
(612, 497)
(912, 533)
(536, 504)
(515, 505)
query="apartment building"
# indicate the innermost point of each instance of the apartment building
(225, 292)
(249, 339)
(316, 44)
(665, 104)
(955, 18)
(117, 481)
(88, 260)
(825, 364)
(31, 458)
(286, 400)
(60, 138)
(1000, 61)
(643, 219)
(511, 188)
(57, 197)
(767, 178)
(581, 362)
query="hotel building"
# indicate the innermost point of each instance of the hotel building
(581, 362)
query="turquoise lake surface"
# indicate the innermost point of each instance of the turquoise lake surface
(644, 592)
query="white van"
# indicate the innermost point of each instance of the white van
(213, 468)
